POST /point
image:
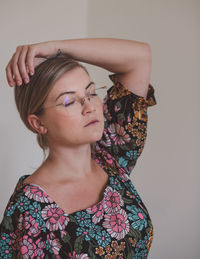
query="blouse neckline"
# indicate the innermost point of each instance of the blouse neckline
(23, 185)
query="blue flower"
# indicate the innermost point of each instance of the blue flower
(137, 216)
(141, 249)
(103, 238)
(89, 232)
(123, 162)
(48, 247)
(5, 238)
(115, 183)
(132, 154)
(41, 223)
(83, 232)
(146, 237)
(6, 252)
(10, 209)
(35, 210)
(5, 249)
(23, 203)
(142, 254)
(83, 218)
(94, 229)
(132, 190)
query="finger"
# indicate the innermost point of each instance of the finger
(22, 64)
(27, 69)
(9, 74)
(38, 61)
(14, 66)
(30, 59)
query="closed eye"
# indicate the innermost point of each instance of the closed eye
(67, 104)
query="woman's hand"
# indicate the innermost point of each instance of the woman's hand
(130, 60)
(26, 58)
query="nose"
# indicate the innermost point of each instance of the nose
(87, 105)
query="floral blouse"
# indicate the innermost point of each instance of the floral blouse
(119, 226)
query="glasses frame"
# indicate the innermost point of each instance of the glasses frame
(81, 100)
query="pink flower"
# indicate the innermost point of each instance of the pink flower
(118, 134)
(24, 222)
(117, 108)
(78, 256)
(106, 111)
(98, 212)
(16, 238)
(112, 200)
(125, 177)
(29, 223)
(128, 119)
(105, 140)
(117, 224)
(34, 229)
(109, 159)
(55, 217)
(27, 248)
(36, 193)
(39, 253)
(55, 244)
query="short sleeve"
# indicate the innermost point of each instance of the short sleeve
(125, 126)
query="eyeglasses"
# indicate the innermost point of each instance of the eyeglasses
(72, 103)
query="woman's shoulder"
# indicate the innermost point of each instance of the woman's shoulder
(24, 197)
(23, 222)
(15, 206)
(18, 190)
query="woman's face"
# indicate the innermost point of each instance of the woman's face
(66, 126)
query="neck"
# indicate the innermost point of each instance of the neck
(69, 163)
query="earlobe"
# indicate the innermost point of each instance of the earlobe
(36, 123)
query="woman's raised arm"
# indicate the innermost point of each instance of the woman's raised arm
(131, 60)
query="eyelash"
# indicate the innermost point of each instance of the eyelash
(67, 104)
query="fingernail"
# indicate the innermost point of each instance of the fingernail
(31, 72)
(26, 80)
(19, 82)
(11, 83)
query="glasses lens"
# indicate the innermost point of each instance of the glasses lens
(72, 103)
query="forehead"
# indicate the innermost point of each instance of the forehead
(74, 80)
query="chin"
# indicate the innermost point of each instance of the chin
(96, 136)
(95, 139)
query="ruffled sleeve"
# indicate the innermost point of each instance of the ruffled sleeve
(125, 127)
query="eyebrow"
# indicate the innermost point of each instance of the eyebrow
(72, 92)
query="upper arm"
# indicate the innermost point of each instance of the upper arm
(137, 79)
(125, 127)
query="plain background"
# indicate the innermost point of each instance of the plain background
(166, 174)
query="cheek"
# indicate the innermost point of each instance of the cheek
(99, 105)
(101, 111)
(67, 122)
(101, 115)
(58, 122)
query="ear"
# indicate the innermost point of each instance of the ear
(36, 123)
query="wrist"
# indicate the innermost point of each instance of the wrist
(62, 46)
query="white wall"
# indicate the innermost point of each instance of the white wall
(166, 175)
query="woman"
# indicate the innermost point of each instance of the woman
(80, 203)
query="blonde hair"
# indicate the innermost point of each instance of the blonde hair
(29, 98)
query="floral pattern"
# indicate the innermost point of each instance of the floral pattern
(119, 226)
(55, 217)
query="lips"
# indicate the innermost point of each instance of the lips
(91, 122)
